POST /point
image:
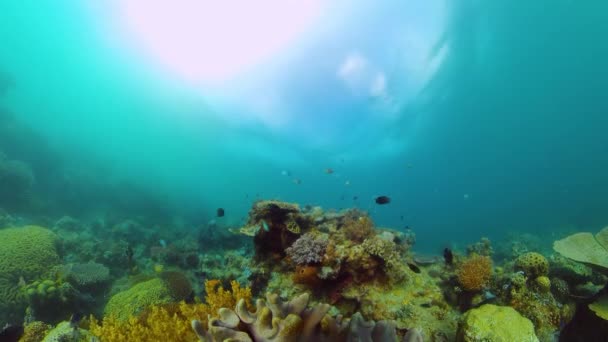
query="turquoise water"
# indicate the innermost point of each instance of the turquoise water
(508, 134)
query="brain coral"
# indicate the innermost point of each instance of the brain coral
(533, 264)
(132, 301)
(26, 253)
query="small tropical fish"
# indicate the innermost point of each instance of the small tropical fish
(355, 198)
(285, 173)
(413, 267)
(265, 226)
(329, 171)
(220, 212)
(383, 200)
(297, 181)
(347, 183)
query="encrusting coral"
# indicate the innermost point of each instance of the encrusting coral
(132, 301)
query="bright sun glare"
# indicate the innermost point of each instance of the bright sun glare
(213, 41)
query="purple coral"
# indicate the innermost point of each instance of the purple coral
(307, 250)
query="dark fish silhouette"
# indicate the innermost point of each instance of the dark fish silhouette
(220, 212)
(75, 320)
(448, 256)
(383, 200)
(413, 267)
(355, 198)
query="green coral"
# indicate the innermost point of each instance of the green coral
(26, 254)
(542, 284)
(132, 301)
(533, 264)
(496, 324)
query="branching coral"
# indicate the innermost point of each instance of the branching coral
(475, 272)
(308, 249)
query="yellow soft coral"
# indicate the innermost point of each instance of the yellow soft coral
(170, 322)
(475, 272)
(34, 331)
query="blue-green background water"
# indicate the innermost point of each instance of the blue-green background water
(509, 133)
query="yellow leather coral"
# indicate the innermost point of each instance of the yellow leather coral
(475, 272)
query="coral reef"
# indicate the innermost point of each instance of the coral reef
(159, 279)
(495, 323)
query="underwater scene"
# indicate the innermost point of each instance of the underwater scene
(303, 170)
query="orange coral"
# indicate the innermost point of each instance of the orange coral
(171, 322)
(306, 275)
(475, 272)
